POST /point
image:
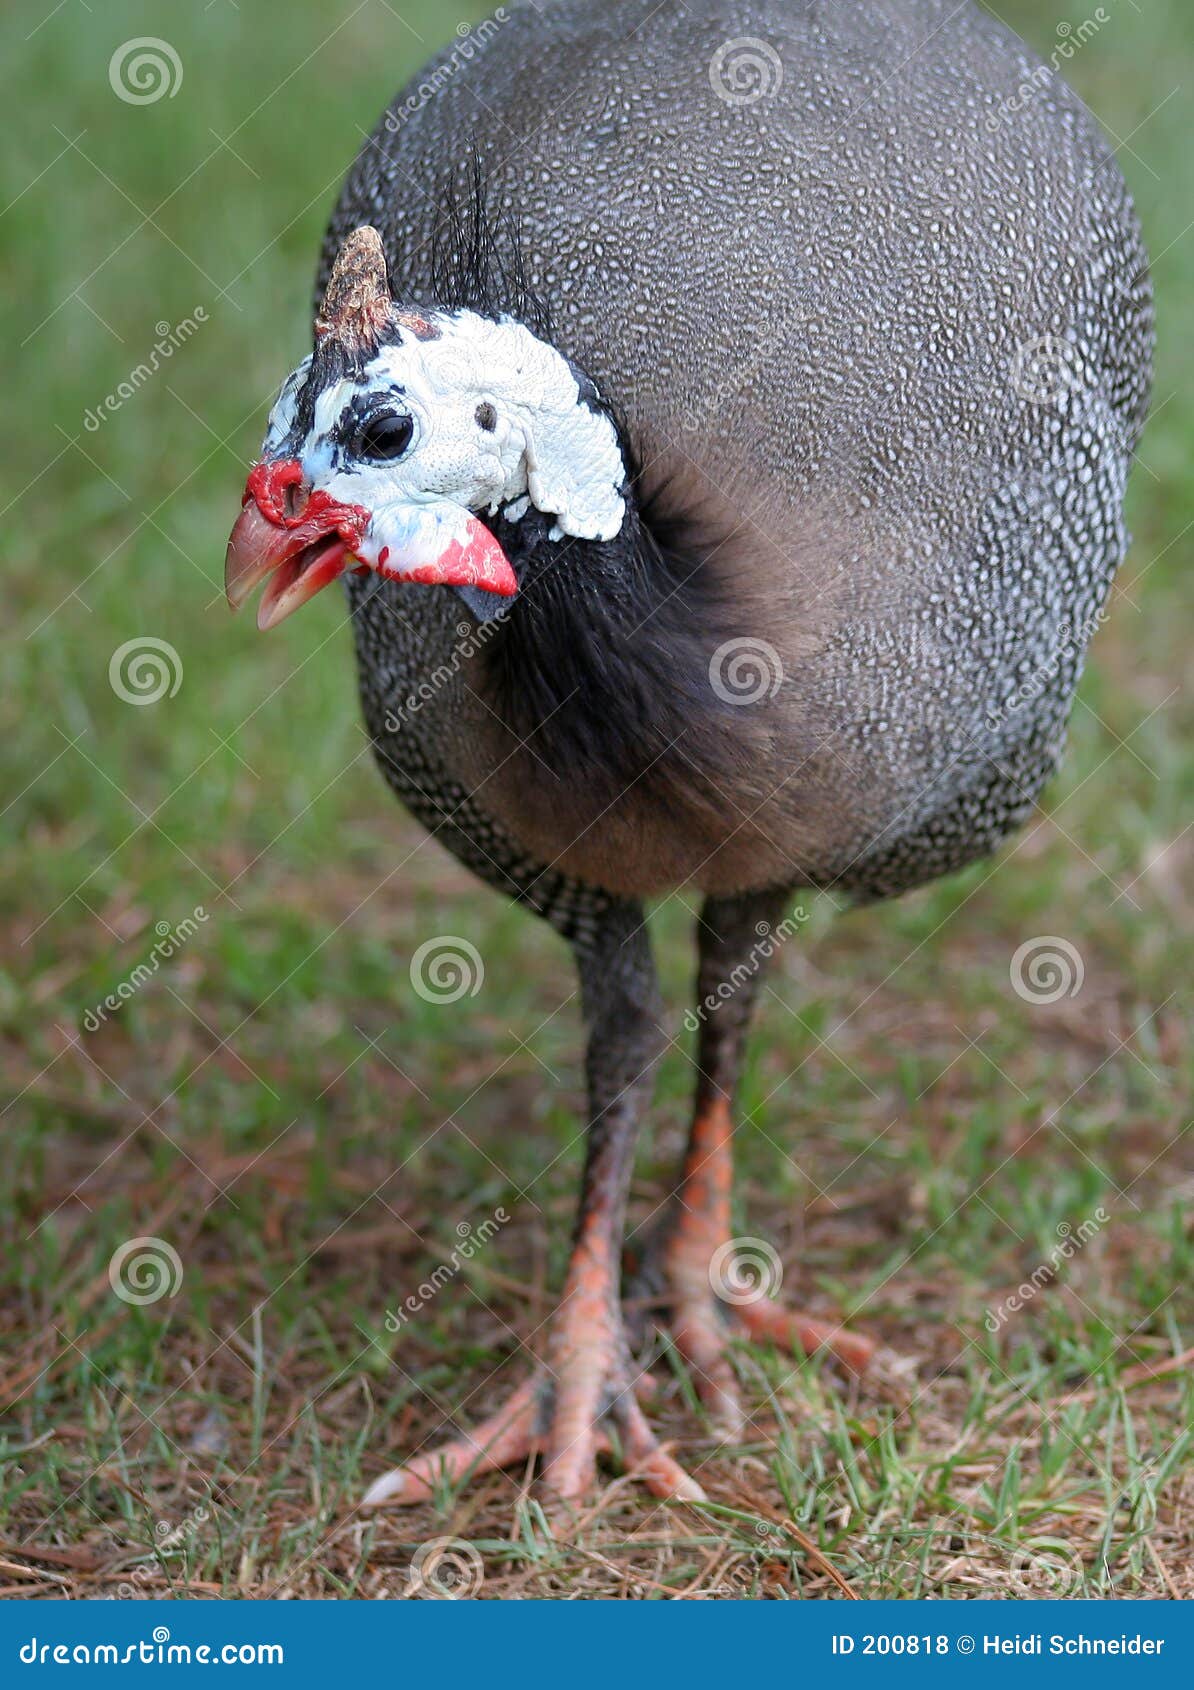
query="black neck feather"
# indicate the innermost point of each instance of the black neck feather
(603, 658)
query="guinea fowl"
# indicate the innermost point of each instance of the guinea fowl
(720, 415)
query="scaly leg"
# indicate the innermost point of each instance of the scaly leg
(687, 1267)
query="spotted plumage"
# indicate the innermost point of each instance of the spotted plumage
(840, 283)
(846, 305)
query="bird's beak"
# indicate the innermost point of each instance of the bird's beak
(303, 539)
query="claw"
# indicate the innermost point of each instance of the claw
(766, 1321)
(666, 1479)
(673, 1275)
(523, 1429)
(508, 1436)
(700, 1337)
(649, 1460)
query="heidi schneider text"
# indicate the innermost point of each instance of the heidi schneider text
(1034, 1643)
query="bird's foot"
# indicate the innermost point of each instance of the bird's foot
(703, 1290)
(583, 1402)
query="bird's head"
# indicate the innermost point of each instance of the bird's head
(403, 431)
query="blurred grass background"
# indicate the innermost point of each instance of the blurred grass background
(308, 1133)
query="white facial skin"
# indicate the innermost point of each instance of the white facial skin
(543, 445)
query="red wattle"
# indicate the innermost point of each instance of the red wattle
(476, 561)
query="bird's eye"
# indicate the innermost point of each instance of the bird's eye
(385, 437)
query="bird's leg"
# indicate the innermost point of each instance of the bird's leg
(587, 1353)
(583, 1398)
(689, 1265)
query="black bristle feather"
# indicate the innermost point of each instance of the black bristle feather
(476, 259)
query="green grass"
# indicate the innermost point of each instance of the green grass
(308, 1134)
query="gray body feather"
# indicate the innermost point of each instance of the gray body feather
(880, 336)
